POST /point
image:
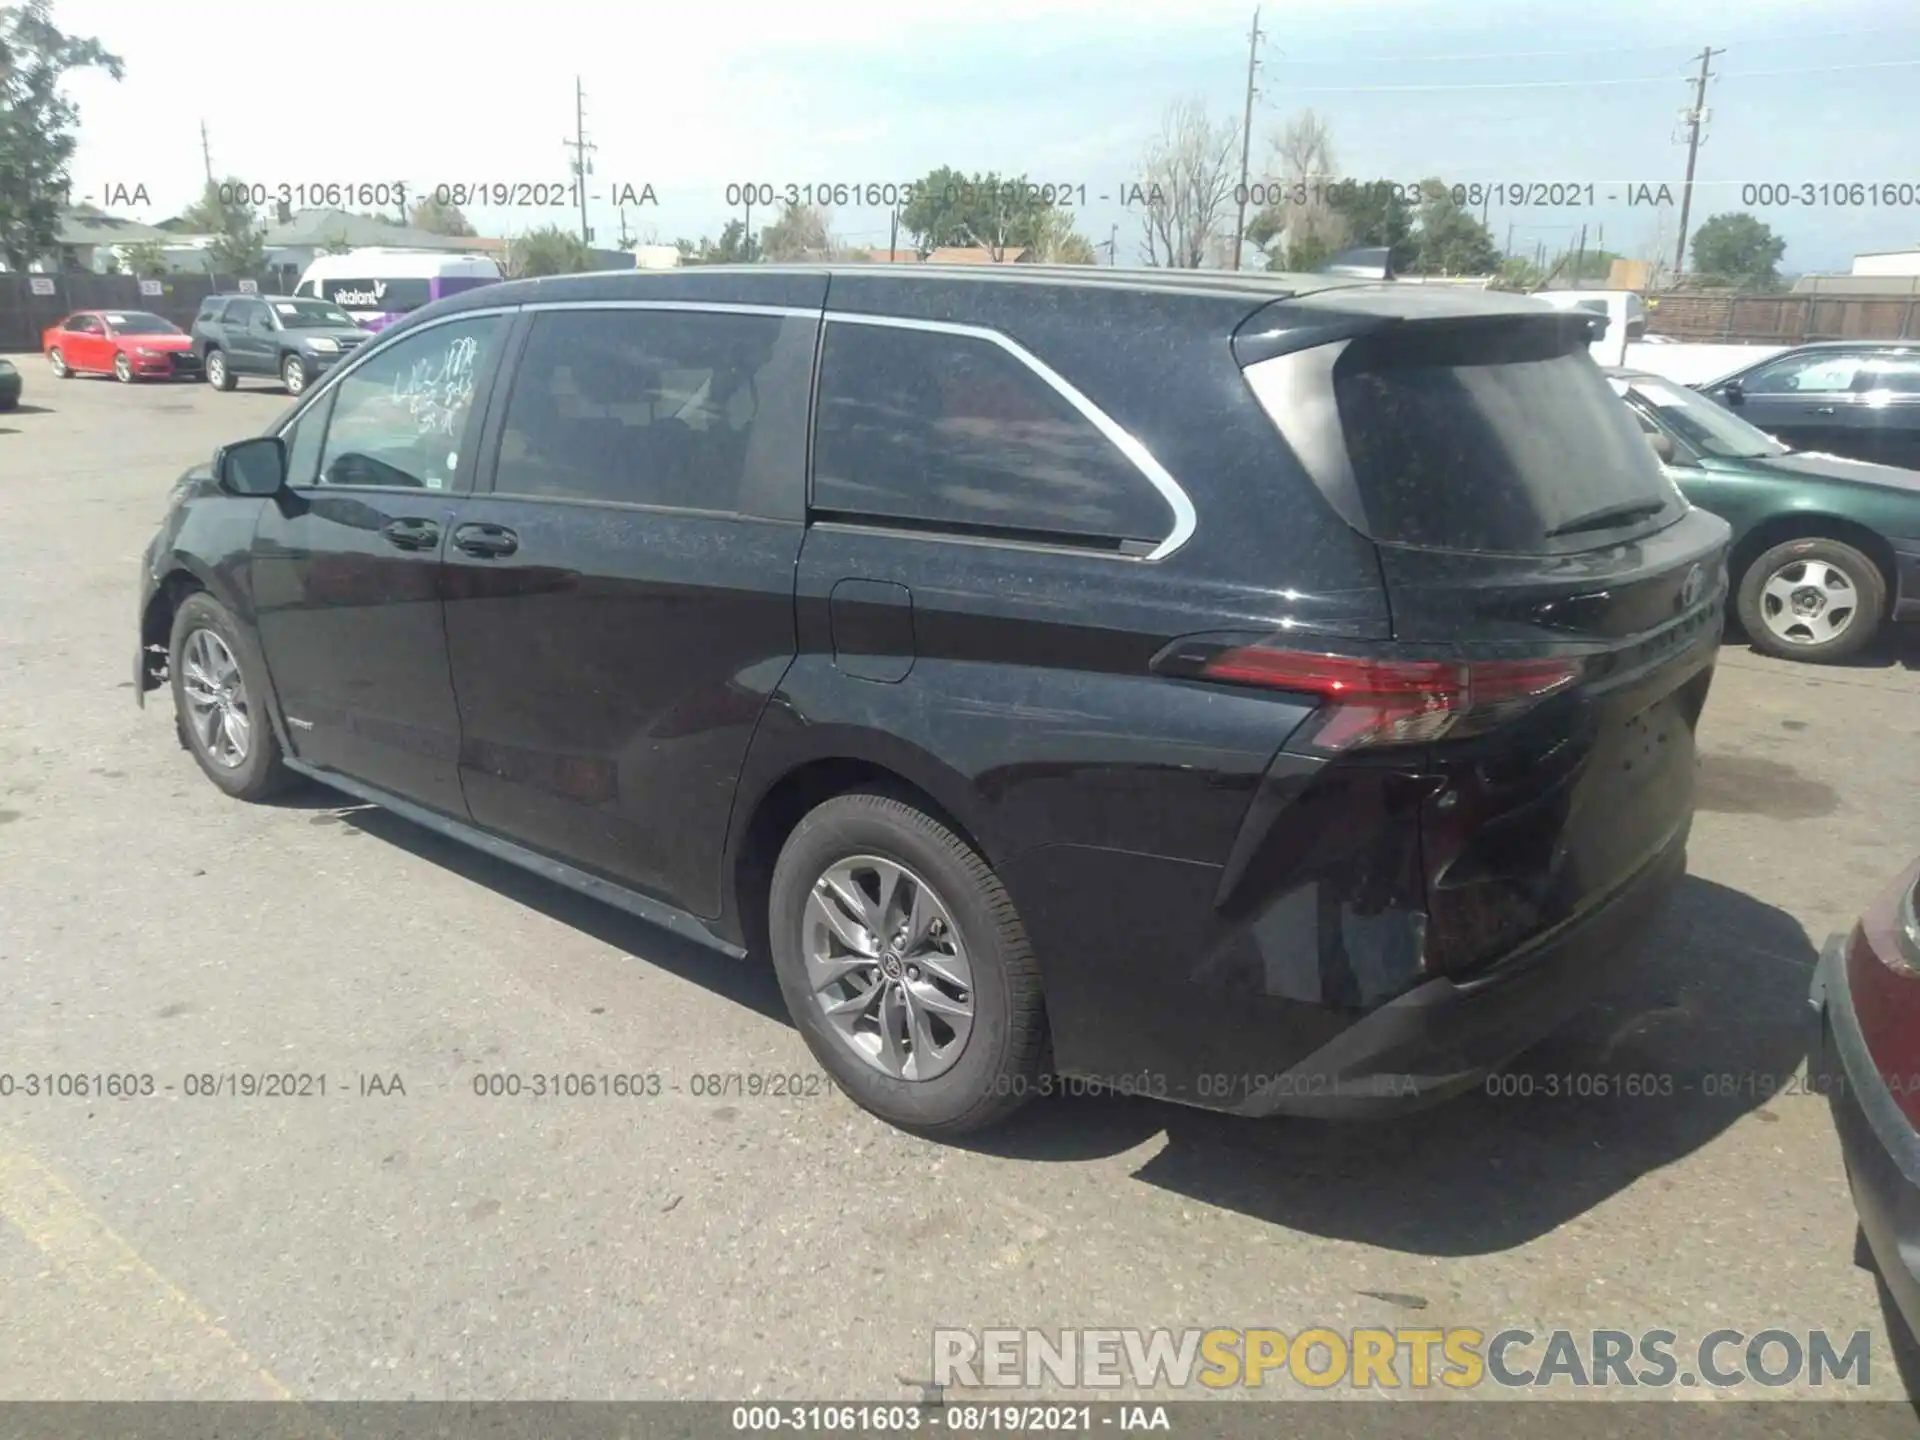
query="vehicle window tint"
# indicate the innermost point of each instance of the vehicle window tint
(1804, 375)
(1492, 437)
(84, 325)
(401, 417)
(645, 407)
(953, 430)
(210, 310)
(1896, 374)
(303, 442)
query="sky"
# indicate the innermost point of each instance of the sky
(689, 98)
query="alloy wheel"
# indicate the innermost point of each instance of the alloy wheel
(218, 716)
(295, 376)
(888, 968)
(1809, 602)
(59, 363)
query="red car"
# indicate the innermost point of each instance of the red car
(1867, 994)
(126, 344)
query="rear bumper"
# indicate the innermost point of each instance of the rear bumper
(1880, 1146)
(1444, 1036)
(1906, 591)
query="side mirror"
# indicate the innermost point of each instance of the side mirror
(1732, 393)
(1662, 444)
(252, 467)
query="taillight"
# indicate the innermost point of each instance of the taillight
(1381, 702)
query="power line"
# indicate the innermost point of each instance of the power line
(1595, 49)
(1589, 84)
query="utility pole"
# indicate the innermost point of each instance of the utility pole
(1246, 138)
(582, 151)
(1580, 263)
(1693, 115)
(1113, 247)
(206, 151)
(625, 238)
(893, 237)
(1507, 250)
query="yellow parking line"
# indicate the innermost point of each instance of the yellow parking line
(131, 1308)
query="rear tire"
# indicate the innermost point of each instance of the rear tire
(1790, 596)
(996, 1066)
(61, 370)
(215, 676)
(293, 375)
(218, 375)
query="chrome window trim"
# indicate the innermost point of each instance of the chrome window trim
(1184, 519)
(717, 307)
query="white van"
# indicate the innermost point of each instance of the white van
(376, 286)
(1625, 311)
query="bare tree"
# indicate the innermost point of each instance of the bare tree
(1187, 178)
(1658, 248)
(799, 234)
(1302, 219)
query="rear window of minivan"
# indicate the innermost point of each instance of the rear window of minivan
(1491, 436)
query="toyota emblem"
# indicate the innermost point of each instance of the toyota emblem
(1693, 587)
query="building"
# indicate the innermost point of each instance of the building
(90, 239)
(950, 255)
(1902, 263)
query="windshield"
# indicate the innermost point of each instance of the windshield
(310, 314)
(1709, 428)
(138, 322)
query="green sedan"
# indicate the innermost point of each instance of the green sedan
(1825, 550)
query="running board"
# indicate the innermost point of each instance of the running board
(655, 912)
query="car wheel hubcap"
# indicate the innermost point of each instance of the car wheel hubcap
(1809, 602)
(121, 367)
(217, 712)
(216, 369)
(296, 377)
(59, 362)
(887, 967)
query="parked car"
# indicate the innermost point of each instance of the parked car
(1843, 397)
(1866, 993)
(1274, 694)
(129, 345)
(291, 340)
(9, 384)
(1825, 550)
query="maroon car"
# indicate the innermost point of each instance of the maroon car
(1867, 993)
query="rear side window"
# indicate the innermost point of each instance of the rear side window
(682, 409)
(210, 310)
(1491, 437)
(952, 431)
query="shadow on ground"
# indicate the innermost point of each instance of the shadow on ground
(1711, 1017)
(1714, 1014)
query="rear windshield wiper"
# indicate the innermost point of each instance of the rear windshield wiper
(1608, 516)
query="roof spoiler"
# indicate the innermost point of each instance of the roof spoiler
(1368, 262)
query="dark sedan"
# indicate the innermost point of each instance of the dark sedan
(1844, 397)
(1825, 549)
(9, 384)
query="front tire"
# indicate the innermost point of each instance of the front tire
(1812, 599)
(123, 369)
(293, 375)
(219, 701)
(218, 375)
(905, 966)
(58, 361)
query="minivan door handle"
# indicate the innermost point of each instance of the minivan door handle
(411, 534)
(1823, 409)
(486, 541)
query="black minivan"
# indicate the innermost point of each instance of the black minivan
(1272, 693)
